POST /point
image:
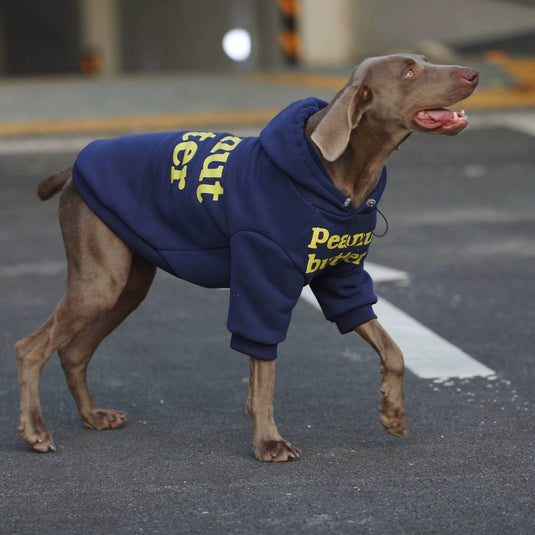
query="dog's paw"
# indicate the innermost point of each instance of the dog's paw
(101, 419)
(276, 451)
(393, 417)
(39, 438)
(396, 426)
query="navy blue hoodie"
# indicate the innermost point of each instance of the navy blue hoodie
(258, 215)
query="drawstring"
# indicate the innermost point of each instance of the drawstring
(386, 225)
(372, 203)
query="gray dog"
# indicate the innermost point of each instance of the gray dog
(263, 216)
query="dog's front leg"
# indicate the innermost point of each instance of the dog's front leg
(268, 444)
(392, 367)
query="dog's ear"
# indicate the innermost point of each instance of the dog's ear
(332, 133)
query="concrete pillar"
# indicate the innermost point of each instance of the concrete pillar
(327, 32)
(99, 40)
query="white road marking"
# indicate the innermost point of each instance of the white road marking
(58, 144)
(523, 122)
(426, 354)
(385, 274)
(45, 268)
(43, 144)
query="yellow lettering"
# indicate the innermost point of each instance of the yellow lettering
(355, 258)
(212, 166)
(333, 241)
(213, 172)
(319, 235)
(343, 241)
(201, 135)
(227, 143)
(369, 236)
(210, 189)
(335, 259)
(189, 148)
(357, 239)
(180, 175)
(313, 263)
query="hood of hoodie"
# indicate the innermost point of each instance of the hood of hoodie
(286, 144)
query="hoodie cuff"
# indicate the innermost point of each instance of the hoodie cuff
(253, 349)
(352, 319)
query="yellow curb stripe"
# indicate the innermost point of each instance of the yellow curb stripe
(173, 121)
(319, 81)
(520, 97)
(523, 70)
(488, 99)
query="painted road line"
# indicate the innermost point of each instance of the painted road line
(521, 122)
(27, 268)
(137, 123)
(43, 144)
(111, 125)
(426, 354)
(522, 95)
(59, 144)
(386, 274)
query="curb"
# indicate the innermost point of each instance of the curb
(136, 123)
(522, 95)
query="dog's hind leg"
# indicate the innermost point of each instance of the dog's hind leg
(98, 267)
(76, 353)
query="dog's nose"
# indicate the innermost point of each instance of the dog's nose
(471, 75)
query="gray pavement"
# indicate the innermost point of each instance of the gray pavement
(76, 97)
(79, 97)
(461, 224)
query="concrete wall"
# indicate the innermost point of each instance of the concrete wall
(380, 26)
(170, 35)
(100, 32)
(167, 35)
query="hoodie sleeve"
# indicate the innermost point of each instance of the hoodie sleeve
(264, 288)
(346, 296)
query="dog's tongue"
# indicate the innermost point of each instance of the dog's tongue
(440, 115)
(441, 120)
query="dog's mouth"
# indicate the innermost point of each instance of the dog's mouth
(441, 120)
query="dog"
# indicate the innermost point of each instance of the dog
(263, 216)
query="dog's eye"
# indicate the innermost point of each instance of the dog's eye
(409, 74)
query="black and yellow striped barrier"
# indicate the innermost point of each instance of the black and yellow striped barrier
(289, 36)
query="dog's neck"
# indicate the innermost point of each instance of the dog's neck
(358, 170)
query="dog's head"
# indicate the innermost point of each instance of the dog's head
(400, 94)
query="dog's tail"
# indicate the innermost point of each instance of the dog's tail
(53, 184)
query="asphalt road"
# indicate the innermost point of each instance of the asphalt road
(461, 213)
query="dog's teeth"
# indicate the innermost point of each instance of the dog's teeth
(455, 116)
